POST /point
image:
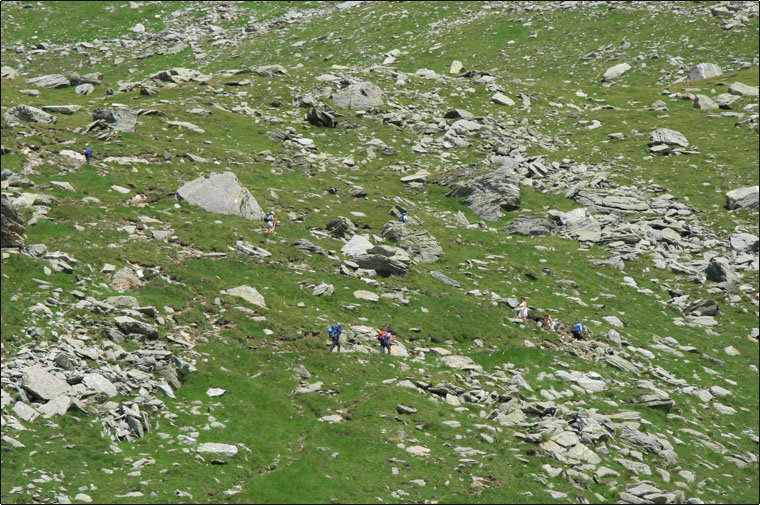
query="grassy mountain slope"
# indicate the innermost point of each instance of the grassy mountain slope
(287, 454)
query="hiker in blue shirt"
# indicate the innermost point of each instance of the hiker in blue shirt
(88, 154)
(334, 332)
(403, 218)
(578, 331)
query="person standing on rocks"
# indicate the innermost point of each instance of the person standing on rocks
(384, 336)
(523, 312)
(578, 331)
(334, 331)
(88, 154)
(271, 221)
(549, 322)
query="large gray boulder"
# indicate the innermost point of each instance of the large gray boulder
(704, 71)
(341, 227)
(385, 260)
(417, 242)
(610, 201)
(29, 114)
(249, 294)
(742, 198)
(50, 81)
(131, 325)
(704, 102)
(489, 195)
(358, 245)
(13, 226)
(616, 71)
(740, 89)
(668, 137)
(42, 384)
(744, 242)
(529, 226)
(719, 270)
(364, 95)
(223, 194)
(118, 118)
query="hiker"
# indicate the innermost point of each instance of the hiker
(578, 331)
(334, 332)
(403, 218)
(384, 336)
(271, 221)
(88, 154)
(523, 312)
(549, 322)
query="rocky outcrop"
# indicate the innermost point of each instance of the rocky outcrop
(364, 95)
(419, 243)
(117, 118)
(29, 114)
(223, 194)
(743, 198)
(13, 226)
(704, 71)
(489, 195)
(529, 226)
(385, 260)
(341, 227)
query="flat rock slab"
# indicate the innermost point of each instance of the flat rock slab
(43, 384)
(217, 449)
(369, 296)
(248, 294)
(223, 194)
(99, 384)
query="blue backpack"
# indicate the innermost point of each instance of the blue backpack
(402, 218)
(577, 330)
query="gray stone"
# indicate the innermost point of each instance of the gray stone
(321, 118)
(358, 245)
(50, 81)
(668, 137)
(131, 325)
(368, 296)
(743, 198)
(249, 294)
(703, 102)
(118, 118)
(704, 71)
(341, 227)
(363, 95)
(58, 406)
(29, 114)
(216, 449)
(84, 89)
(385, 260)
(251, 250)
(443, 278)
(323, 289)
(12, 226)
(502, 99)
(99, 384)
(529, 226)
(223, 194)
(616, 71)
(306, 246)
(720, 271)
(419, 243)
(488, 195)
(744, 242)
(42, 384)
(740, 89)
(25, 412)
(403, 409)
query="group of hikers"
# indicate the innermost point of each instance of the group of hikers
(384, 336)
(578, 331)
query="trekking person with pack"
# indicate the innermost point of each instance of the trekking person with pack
(578, 331)
(403, 218)
(523, 311)
(88, 154)
(271, 221)
(384, 336)
(334, 332)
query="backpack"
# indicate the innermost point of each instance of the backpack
(268, 216)
(402, 218)
(336, 330)
(577, 330)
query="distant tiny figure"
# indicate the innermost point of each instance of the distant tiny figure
(550, 322)
(384, 336)
(88, 154)
(578, 331)
(523, 312)
(403, 218)
(271, 221)
(334, 332)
